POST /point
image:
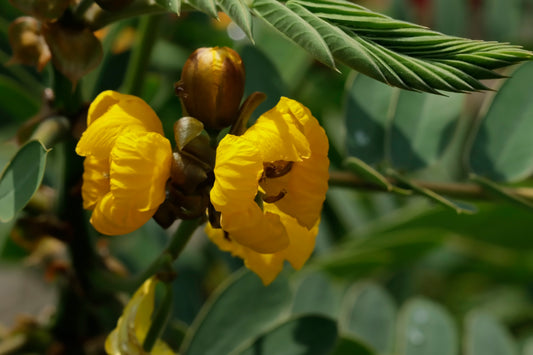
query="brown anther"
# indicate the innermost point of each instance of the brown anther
(272, 199)
(226, 236)
(277, 168)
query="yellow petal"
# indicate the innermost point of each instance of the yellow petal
(266, 266)
(127, 338)
(140, 168)
(110, 115)
(279, 135)
(238, 169)
(95, 181)
(112, 217)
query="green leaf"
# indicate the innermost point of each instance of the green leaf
(502, 149)
(21, 178)
(346, 345)
(458, 207)
(294, 28)
(306, 335)
(422, 127)
(366, 172)
(499, 191)
(317, 294)
(368, 312)
(16, 104)
(403, 54)
(171, 5)
(239, 310)
(239, 12)
(425, 327)
(379, 252)
(207, 6)
(486, 336)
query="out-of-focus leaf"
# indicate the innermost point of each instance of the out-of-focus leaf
(451, 17)
(368, 113)
(172, 5)
(306, 335)
(502, 19)
(500, 192)
(425, 327)
(502, 149)
(422, 127)
(207, 6)
(262, 75)
(368, 312)
(379, 252)
(317, 294)
(346, 345)
(484, 335)
(21, 178)
(16, 103)
(238, 11)
(458, 207)
(237, 312)
(295, 28)
(371, 175)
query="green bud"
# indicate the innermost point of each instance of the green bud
(212, 85)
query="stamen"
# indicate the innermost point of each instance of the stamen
(272, 199)
(277, 168)
(226, 236)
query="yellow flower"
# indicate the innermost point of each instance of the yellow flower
(128, 337)
(270, 184)
(127, 163)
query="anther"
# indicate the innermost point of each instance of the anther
(272, 199)
(277, 168)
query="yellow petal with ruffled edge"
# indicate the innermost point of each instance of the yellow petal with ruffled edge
(237, 170)
(268, 265)
(127, 338)
(95, 181)
(139, 168)
(307, 182)
(110, 115)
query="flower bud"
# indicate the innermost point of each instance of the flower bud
(212, 85)
(27, 43)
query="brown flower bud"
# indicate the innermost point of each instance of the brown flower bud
(27, 43)
(75, 52)
(212, 85)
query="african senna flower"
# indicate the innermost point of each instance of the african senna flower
(127, 163)
(270, 184)
(133, 326)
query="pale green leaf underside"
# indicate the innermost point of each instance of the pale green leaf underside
(395, 52)
(171, 5)
(207, 6)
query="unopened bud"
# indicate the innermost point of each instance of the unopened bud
(75, 52)
(212, 85)
(27, 43)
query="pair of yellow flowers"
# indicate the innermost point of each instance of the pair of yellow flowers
(282, 158)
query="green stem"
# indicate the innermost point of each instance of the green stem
(102, 18)
(111, 282)
(160, 319)
(467, 191)
(67, 98)
(140, 55)
(51, 130)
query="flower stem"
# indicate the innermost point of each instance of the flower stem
(51, 130)
(160, 319)
(181, 237)
(140, 56)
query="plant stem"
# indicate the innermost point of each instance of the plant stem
(468, 191)
(160, 319)
(140, 55)
(103, 18)
(111, 282)
(51, 131)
